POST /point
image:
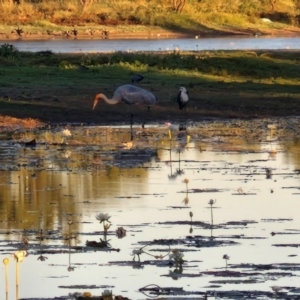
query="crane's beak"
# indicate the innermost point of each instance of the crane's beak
(95, 103)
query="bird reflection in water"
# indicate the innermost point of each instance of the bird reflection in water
(70, 238)
(183, 139)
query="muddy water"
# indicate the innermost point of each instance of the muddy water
(51, 192)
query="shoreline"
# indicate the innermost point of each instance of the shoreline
(148, 33)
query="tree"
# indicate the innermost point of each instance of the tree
(272, 2)
(86, 3)
(178, 5)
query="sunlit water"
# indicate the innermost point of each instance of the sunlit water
(47, 186)
(131, 45)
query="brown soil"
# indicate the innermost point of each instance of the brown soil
(115, 32)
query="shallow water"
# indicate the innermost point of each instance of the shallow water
(131, 45)
(140, 185)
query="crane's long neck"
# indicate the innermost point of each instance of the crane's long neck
(103, 97)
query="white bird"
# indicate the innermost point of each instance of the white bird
(183, 98)
(128, 94)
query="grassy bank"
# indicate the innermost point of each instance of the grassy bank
(57, 88)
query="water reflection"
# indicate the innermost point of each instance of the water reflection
(51, 195)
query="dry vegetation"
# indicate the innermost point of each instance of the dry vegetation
(124, 16)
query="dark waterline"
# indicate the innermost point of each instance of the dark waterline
(219, 43)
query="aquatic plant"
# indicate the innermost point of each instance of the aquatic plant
(268, 173)
(226, 257)
(107, 295)
(120, 232)
(6, 262)
(179, 150)
(240, 191)
(177, 257)
(42, 258)
(186, 181)
(104, 218)
(191, 216)
(176, 273)
(186, 199)
(66, 132)
(211, 202)
(18, 256)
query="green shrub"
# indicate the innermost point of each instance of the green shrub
(8, 51)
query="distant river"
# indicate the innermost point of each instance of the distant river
(130, 45)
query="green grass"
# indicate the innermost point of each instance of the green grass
(220, 83)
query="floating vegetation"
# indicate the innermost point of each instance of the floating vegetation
(152, 200)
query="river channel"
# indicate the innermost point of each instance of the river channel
(132, 45)
(207, 211)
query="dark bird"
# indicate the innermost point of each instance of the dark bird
(183, 98)
(130, 95)
(136, 78)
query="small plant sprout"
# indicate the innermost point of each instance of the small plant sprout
(226, 257)
(211, 202)
(104, 218)
(186, 181)
(177, 257)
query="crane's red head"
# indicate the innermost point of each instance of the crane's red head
(96, 100)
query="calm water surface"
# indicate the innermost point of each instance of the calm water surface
(141, 186)
(220, 43)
